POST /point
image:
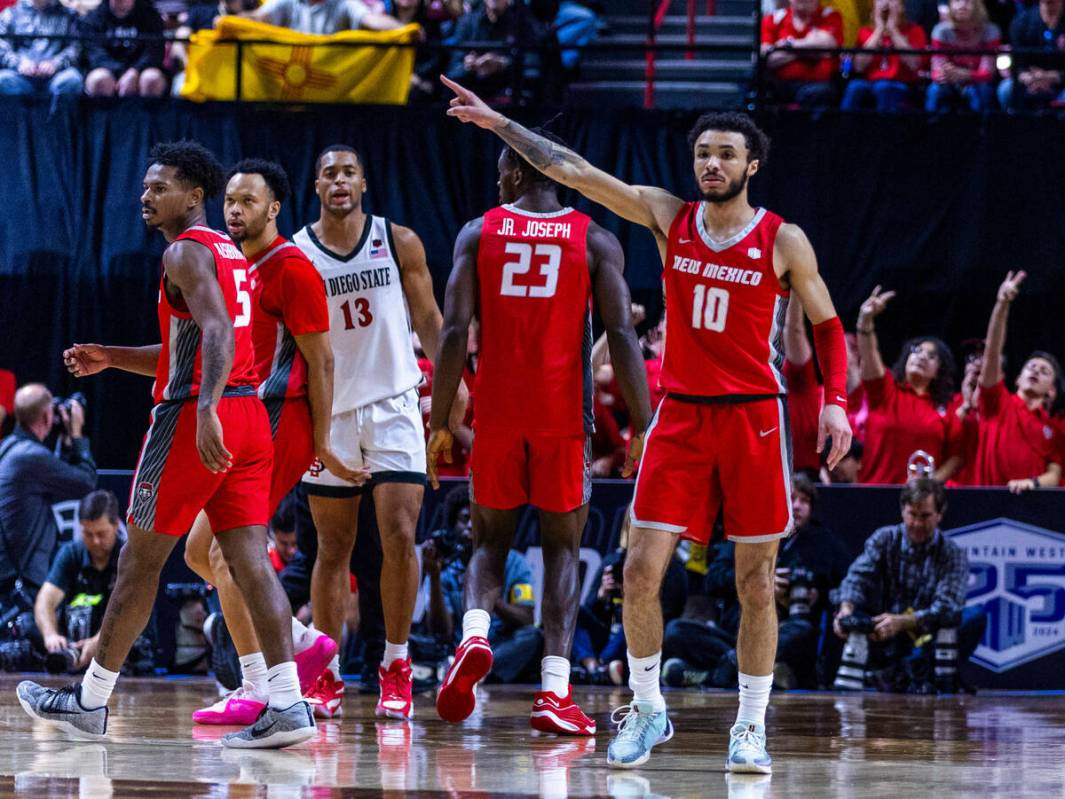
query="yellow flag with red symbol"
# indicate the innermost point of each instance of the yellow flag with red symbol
(298, 67)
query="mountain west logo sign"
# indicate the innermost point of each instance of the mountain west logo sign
(1017, 573)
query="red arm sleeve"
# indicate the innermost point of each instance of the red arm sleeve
(303, 305)
(831, 352)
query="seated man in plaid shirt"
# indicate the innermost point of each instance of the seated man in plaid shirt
(902, 604)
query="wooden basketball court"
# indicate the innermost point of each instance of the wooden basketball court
(824, 745)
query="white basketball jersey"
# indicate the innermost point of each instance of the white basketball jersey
(369, 323)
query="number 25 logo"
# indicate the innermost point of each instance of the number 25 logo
(547, 268)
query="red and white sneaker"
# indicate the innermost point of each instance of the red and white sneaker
(473, 661)
(241, 707)
(313, 658)
(564, 716)
(326, 696)
(397, 701)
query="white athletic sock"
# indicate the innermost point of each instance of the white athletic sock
(393, 652)
(301, 636)
(554, 675)
(754, 698)
(284, 685)
(475, 623)
(97, 685)
(643, 680)
(253, 669)
(334, 666)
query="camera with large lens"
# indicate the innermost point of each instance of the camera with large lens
(800, 585)
(67, 403)
(857, 623)
(450, 545)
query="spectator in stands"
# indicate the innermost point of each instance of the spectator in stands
(907, 405)
(30, 64)
(126, 60)
(804, 392)
(811, 563)
(1040, 80)
(805, 78)
(886, 82)
(283, 546)
(323, 16)
(32, 479)
(516, 642)
(963, 78)
(576, 23)
(599, 640)
(461, 447)
(492, 73)
(964, 407)
(907, 588)
(1020, 444)
(431, 15)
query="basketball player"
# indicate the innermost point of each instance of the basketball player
(719, 438)
(204, 389)
(528, 269)
(294, 365)
(378, 288)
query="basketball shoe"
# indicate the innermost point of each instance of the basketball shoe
(318, 649)
(326, 696)
(640, 728)
(396, 701)
(275, 729)
(551, 714)
(241, 707)
(62, 708)
(746, 750)
(473, 661)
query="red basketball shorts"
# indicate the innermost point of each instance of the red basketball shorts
(293, 434)
(509, 469)
(700, 457)
(171, 484)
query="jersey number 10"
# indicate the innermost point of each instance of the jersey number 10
(551, 255)
(709, 308)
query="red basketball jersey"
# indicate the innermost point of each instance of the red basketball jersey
(724, 309)
(288, 300)
(177, 375)
(534, 372)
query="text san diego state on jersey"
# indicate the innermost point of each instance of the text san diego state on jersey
(724, 309)
(179, 369)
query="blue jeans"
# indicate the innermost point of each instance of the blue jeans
(66, 81)
(1025, 100)
(886, 96)
(979, 97)
(574, 24)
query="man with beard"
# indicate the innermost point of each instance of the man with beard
(529, 270)
(204, 387)
(720, 435)
(290, 334)
(1020, 445)
(378, 289)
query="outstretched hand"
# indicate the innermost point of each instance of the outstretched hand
(468, 107)
(83, 360)
(1011, 286)
(877, 302)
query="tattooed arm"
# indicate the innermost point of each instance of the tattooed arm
(651, 207)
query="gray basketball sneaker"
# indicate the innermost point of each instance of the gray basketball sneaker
(62, 707)
(275, 729)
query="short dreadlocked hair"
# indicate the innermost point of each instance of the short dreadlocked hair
(271, 172)
(195, 165)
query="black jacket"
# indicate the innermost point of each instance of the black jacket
(121, 49)
(32, 479)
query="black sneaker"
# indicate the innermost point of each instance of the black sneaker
(275, 729)
(62, 707)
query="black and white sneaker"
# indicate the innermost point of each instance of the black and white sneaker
(275, 729)
(62, 707)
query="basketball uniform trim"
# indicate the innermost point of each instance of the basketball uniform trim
(333, 492)
(663, 526)
(367, 227)
(274, 406)
(731, 241)
(776, 342)
(537, 214)
(785, 459)
(152, 462)
(411, 478)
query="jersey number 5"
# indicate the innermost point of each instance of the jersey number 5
(240, 277)
(547, 268)
(709, 308)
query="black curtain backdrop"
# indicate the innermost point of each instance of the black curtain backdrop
(937, 210)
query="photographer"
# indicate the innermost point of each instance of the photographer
(904, 599)
(516, 643)
(32, 479)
